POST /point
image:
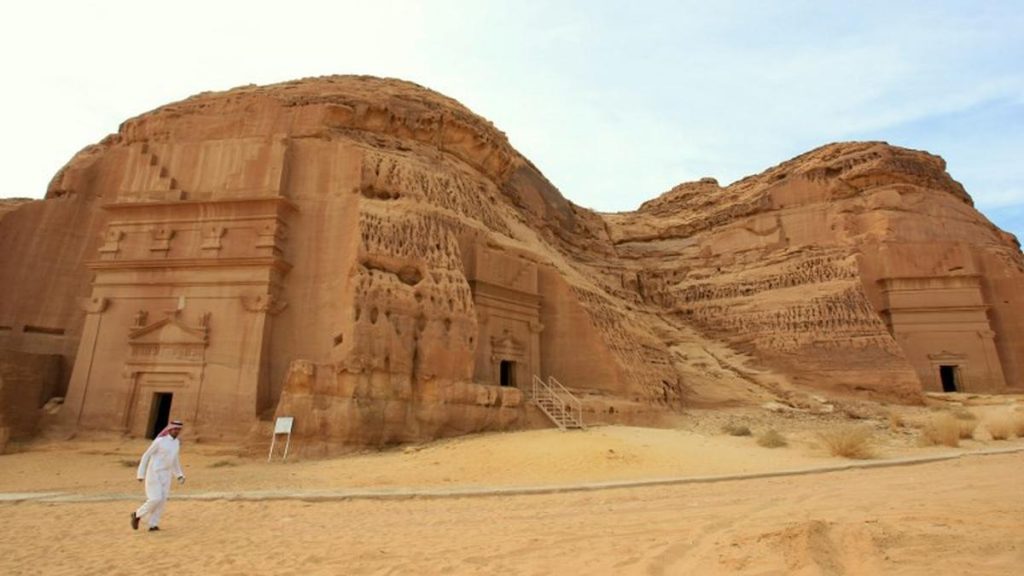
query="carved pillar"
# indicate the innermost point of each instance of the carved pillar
(131, 384)
(78, 387)
(255, 362)
(534, 354)
(996, 380)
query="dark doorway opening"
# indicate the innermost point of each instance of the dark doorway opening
(159, 413)
(948, 375)
(508, 373)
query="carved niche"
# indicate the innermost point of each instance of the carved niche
(168, 355)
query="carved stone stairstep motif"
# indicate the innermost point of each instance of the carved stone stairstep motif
(153, 181)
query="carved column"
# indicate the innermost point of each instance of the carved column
(534, 354)
(81, 374)
(255, 362)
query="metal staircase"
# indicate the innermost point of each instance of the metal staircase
(557, 403)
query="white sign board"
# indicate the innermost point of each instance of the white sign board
(284, 425)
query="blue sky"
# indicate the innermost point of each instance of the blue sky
(615, 102)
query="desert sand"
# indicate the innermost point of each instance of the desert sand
(959, 515)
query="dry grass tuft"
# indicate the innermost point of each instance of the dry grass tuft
(223, 463)
(1018, 423)
(896, 420)
(962, 413)
(967, 428)
(942, 428)
(733, 429)
(848, 442)
(772, 439)
(1000, 426)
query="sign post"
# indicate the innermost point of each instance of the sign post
(283, 425)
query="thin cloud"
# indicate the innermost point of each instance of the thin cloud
(616, 103)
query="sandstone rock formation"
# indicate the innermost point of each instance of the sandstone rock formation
(27, 382)
(373, 258)
(859, 266)
(11, 204)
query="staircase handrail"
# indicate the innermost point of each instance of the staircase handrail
(564, 409)
(577, 405)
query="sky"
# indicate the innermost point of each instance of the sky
(615, 101)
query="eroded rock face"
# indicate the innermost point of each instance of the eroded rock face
(375, 260)
(27, 381)
(12, 204)
(856, 266)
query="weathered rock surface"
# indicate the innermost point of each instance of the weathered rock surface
(374, 259)
(11, 204)
(27, 381)
(855, 266)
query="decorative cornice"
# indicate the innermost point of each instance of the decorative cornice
(146, 264)
(931, 309)
(959, 281)
(194, 205)
(504, 293)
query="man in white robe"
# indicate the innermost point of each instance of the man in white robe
(157, 466)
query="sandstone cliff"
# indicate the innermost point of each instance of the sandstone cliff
(374, 258)
(8, 205)
(791, 265)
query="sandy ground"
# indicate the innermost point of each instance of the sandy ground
(951, 517)
(511, 459)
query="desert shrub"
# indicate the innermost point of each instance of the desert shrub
(967, 428)
(962, 413)
(942, 428)
(1000, 426)
(772, 439)
(223, 463)
(1018, 423)
(896, 420)
(733, 429)
(848, 442)
(860, 410)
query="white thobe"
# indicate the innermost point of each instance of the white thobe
(159, 465)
